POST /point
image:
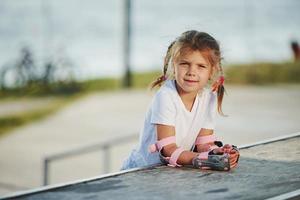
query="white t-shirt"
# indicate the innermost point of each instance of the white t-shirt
(167, 108)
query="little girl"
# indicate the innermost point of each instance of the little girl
(178, 128)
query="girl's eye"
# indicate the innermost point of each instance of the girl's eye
(183, 64)
(201, 66)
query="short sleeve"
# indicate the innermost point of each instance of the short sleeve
(211, 112)
(163, 109)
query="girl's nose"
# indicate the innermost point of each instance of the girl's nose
(191, 71)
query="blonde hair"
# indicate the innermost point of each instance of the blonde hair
(209, 48)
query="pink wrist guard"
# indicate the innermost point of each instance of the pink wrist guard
(157, 147)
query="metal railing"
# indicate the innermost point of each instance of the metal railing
(103, 146)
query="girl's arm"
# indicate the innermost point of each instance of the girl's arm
(164, 131)
(204, 147)
(186, 157)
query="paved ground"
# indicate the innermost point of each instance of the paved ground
(264, 171)
(254, 114)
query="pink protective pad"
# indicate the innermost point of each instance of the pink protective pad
(174, 157)
(203, 155)
(205, 139)
(161, 143)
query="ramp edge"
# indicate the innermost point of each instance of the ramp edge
(55, 186)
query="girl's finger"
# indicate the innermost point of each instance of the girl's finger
(233, 159)
(233, 156)
(233, 166)
(233, 151)
(232, 162)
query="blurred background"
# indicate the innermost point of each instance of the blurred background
(74, 77)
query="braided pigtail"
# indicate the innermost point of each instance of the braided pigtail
(218, 86)
(167, 59)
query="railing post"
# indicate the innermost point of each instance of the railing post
(106, 158)
(127, 82)
(46, 172)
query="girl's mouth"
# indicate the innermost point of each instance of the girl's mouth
(191, 81)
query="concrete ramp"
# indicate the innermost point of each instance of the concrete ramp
(270, 169)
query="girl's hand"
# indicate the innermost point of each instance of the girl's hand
(233, 154)
(233, 157)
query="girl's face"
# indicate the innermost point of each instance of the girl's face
(192, 72)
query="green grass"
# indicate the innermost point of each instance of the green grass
(263, 73)
(38, 90)
(144, 79)
(102, 84)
